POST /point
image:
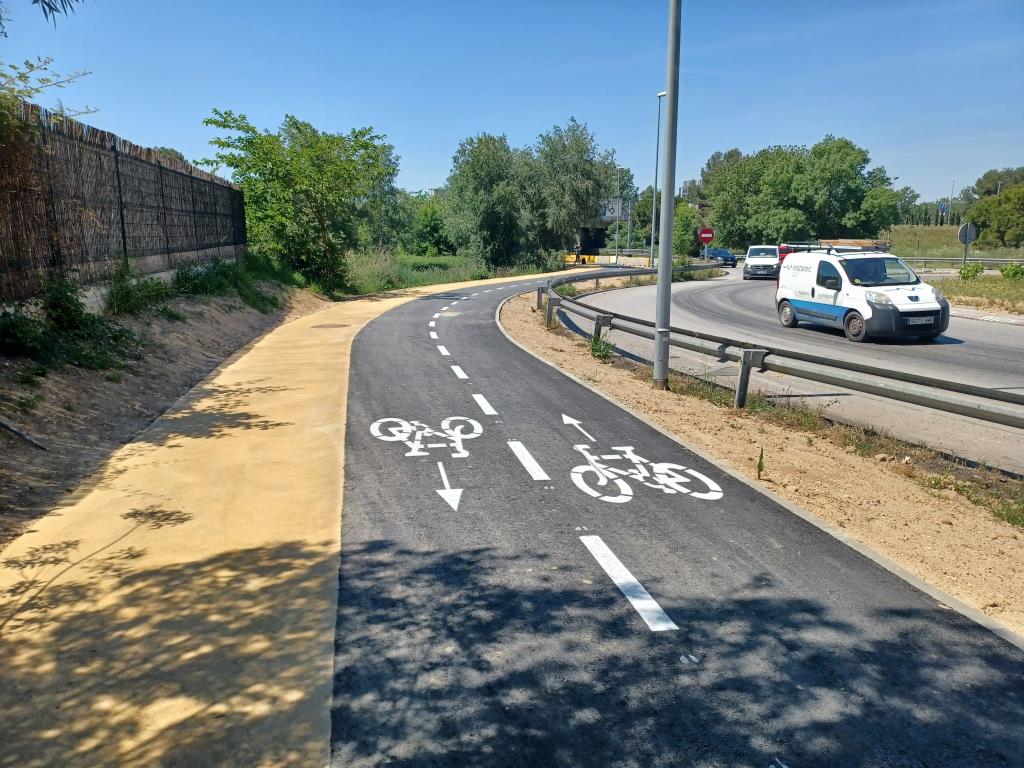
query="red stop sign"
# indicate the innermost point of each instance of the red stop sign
(706, 235)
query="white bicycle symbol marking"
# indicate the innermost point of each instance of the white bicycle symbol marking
(662, 476)
(453, 432)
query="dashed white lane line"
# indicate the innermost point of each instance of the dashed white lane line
(445, 309)
(433, 335)
(443, 350)
(486, 407)
(432, 324)
(459, 373)
(475, 294)
(488, 290)
(437, 315)
(529, 463)
(640, 598)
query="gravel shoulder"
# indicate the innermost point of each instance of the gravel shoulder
(935, 534)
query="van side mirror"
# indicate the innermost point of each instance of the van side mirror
(833, 283)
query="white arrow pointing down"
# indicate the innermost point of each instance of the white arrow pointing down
(449, 494)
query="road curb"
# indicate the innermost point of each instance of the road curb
(944, 599)
(967, 313)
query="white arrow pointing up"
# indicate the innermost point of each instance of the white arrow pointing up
(576, 423)
(449, 494)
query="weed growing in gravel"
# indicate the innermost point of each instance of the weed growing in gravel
(600, 348)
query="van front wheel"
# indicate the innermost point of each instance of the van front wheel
(854, 327)
(786, 314)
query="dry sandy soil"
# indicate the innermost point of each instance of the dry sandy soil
(83, 416)
(935, 534)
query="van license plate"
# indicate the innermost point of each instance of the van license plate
(920, 320)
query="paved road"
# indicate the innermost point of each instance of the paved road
(974, 351)
(494, 634)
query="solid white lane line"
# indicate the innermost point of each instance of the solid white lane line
(526, 459)
(634, 591)
(442, 350)
(437, 315)
(433, 335)
(486, 407)
(432, 324)
(459, 373)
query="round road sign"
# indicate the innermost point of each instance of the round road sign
(706, 235)
(968, 233)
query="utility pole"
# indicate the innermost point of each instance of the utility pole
(949, 216)
(663, 315)
(654, 184)
(629, 224)
(618, 211)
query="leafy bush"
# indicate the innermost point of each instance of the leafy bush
(66, 332)
(1012, 271)
(971, 271)
(221, 278)
(129, 293)
(20, 334)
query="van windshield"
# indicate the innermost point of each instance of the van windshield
(763, 252)
(884, 270)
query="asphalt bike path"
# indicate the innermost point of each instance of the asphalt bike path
(532, 576)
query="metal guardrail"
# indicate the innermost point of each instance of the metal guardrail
(991, 405)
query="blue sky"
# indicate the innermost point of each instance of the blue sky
(934, 90)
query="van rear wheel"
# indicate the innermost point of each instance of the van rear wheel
(854, 327)
(786, 315)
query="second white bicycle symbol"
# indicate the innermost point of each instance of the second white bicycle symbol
(416, 435)
(599, 479)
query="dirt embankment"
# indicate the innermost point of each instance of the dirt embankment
(82, 416)
(936, 534)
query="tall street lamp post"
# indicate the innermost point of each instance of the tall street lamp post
(654, 185)
(668, 183)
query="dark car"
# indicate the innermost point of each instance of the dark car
(727, 257)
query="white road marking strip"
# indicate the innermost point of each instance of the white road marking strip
(432, 324)
(475, 294)
(488, 290)
(526, 459)
(433, 335)
(437, 315)
(442, 350)
(486, 407)
(459, 373)
(634, 591)
(444, 309)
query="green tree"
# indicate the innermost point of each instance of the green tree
(990, 181)
(1000, 220)
(428, 234)
(51, 10)
(684, 230)
(573, 180)
(482, 207)
(304, 189)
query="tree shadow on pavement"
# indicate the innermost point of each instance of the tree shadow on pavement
(200, 663)
(484, 658)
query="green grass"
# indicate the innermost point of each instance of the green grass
(984, 291)
(600, 348)
(222, 278)
(910, 241)
(368, 273)
(566, 289)
(383, 271)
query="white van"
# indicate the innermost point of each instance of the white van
(866, 293)
(761, 261)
